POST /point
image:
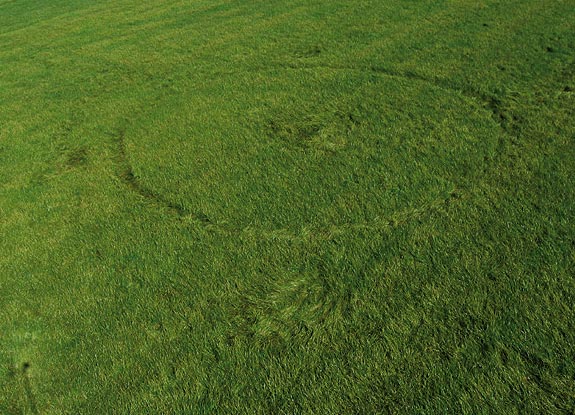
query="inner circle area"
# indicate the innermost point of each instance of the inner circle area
(294, 149)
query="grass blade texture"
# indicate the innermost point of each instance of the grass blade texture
(287, 207)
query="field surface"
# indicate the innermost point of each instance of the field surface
(287, 207)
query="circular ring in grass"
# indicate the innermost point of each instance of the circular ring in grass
(312, 148)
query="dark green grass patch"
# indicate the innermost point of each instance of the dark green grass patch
(287, 207)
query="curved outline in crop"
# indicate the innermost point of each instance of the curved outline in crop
(128, 177)
(126, 174)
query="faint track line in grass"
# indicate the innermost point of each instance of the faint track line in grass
(489, 102)
(395, 220)
(505, 120)
(126, 174)
(28, 389)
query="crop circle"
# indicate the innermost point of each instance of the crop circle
(309, 148)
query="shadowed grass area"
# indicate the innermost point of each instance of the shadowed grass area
(287, 207)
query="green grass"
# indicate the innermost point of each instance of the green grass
(316, 207)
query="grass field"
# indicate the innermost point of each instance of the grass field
(285, 207)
